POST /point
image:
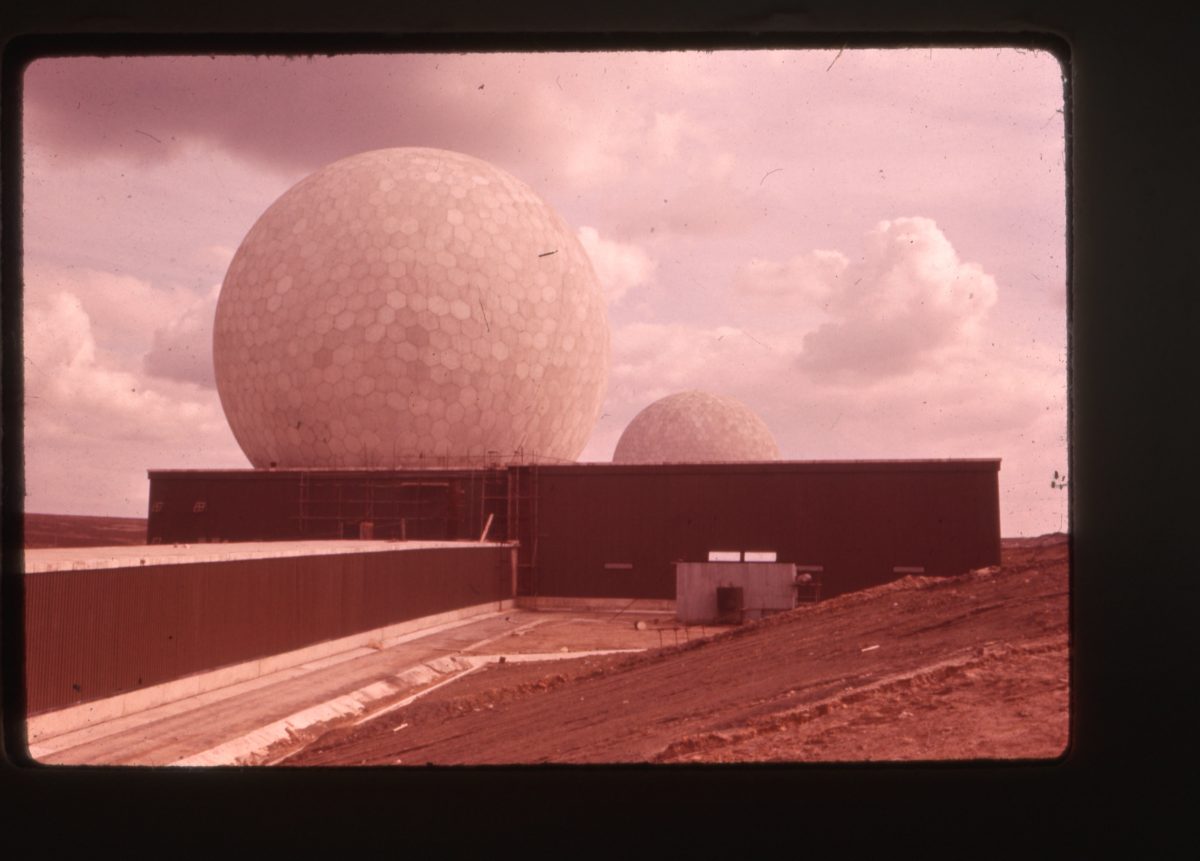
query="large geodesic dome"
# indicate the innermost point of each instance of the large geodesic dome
(410, 305)
(691, 427)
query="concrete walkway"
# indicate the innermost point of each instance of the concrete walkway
(174, 731)
(240, 723)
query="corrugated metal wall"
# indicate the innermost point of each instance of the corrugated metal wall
(616, 532)
(858, 519)
(96, 633)
(283, 505)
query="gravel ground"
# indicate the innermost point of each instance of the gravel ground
(966, 668)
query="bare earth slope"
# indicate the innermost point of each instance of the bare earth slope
(972, 667)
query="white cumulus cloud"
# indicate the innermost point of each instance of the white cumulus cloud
(87, 417)
(810, 277)
(620, 266)
(906, 302)
(182, 349)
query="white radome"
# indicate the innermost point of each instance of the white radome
(696, 427)
(410, 305)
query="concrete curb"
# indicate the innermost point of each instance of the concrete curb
(616, 605)
(244, 749)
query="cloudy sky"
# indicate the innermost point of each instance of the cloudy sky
(866, 247)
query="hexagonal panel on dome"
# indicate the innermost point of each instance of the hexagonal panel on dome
(410, 304)
(692, 427)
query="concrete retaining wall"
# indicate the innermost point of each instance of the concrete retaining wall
(96, 633)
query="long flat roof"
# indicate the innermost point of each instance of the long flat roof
(916, 464)
(135, 555)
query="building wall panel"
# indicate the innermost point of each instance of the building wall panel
(189, 506)
(618, 533)
(96, 633)
(614, 531)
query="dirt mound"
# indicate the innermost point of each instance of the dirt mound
(970, 667)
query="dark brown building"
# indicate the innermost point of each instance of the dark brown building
(101, 622)
(614, 531)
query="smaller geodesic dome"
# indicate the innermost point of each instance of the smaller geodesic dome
(695, 427)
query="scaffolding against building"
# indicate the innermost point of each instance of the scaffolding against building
(388, 505)
(429, 502)
(523, 523)
(493, 500)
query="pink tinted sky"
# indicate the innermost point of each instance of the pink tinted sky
(868, 248)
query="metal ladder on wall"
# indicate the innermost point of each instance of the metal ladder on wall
(493, 502)
(523, 526)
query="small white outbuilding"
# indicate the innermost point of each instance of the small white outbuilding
(731, 592)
